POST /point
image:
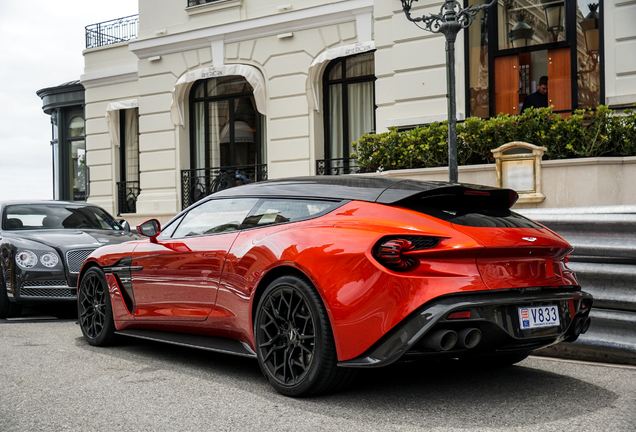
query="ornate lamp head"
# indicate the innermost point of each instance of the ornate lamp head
(521, 34)
(590, 29)
(406, 4)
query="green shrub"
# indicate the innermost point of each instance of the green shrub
(585, 133)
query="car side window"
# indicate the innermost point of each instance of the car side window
(168, 230)
(215, 216)
(273, 211)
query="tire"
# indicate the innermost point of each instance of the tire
(294, 342)
(7, 308)
(94, 309)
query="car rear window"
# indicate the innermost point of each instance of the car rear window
(469, 210)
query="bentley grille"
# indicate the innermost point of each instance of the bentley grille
(75, 258)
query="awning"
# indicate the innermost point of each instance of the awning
(318, 66)
(251, 74)
(112, 117)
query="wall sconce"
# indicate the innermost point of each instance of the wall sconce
(521, 34)
(518, 167)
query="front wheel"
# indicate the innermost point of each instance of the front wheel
(94, 309)
(7, 308)
(294, 342)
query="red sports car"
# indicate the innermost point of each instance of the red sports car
(316, 277)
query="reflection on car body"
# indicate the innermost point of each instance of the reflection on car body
(317, 277)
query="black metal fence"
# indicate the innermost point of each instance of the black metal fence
(337, 166)
(112, 32)
(127, 193)
(199, 183)
(604, 259)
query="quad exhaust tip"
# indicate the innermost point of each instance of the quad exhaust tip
(581, 325)
(444, 340)
(468, 338)
(441, 340)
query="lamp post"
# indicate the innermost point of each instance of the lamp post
(450, 20)
(590, 29)
(554, 16)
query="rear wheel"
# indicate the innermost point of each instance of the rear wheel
(94, 309)
(7, 308)
(294, 341)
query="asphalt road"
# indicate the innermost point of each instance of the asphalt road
(51, 380)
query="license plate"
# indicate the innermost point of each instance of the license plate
(541, 316)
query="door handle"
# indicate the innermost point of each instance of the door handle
(209, 254)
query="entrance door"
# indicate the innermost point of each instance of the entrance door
(507, 84)
(559, 81)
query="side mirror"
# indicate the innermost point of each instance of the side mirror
(125, 225)
(151, 228)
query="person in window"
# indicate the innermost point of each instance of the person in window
(538, 99)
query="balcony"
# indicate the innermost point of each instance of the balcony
(199, 183)
(127, 193)
(337, 166)
(112, 32)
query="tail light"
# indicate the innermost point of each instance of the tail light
(390, 252)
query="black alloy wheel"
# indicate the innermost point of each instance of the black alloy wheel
(294, 342)
(94, 309)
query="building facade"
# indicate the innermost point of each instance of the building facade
(214, 93)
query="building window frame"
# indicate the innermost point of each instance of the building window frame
(570, 42)
(344, 82)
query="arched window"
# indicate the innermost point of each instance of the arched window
(225, 125)
(349, 103)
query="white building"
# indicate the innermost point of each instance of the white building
(218, 92)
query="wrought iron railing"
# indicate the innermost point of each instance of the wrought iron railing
(337, 166)
(200, 2)
(112, 32)
(127, 193)
(199, 183)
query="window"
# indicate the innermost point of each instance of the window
(128, 185)
(77, 159)
(349, 94)
(225, 125)
(511, 46)
(273, 211)
(215, 216)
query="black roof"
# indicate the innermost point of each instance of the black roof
(350, 187)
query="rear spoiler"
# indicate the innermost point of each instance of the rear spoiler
(461, 195)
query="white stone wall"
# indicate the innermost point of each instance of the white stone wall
(620, 52)
(109, 75)
(282, 43)
(411, 68)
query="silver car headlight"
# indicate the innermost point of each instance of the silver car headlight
(26, 259)
(49, 259)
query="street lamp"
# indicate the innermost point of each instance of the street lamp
(521, 34)
(554, 16)
(450, 20)
(590, 29)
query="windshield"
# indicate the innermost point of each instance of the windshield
(50, 216)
